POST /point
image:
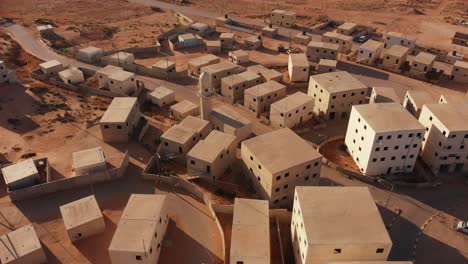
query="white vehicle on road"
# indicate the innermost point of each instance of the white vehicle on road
(462, 226)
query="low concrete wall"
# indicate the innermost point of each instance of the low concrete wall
(328, 140)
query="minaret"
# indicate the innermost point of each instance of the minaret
(205, 92)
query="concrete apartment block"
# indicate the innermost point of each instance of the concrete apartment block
(259, 97)
(141, 229)
(369, 52)
(298, 67)
(325, 66)
(445, 145)
(90, 54)
(460, 72)
(20, 175)
(415, 99)
(227, 40)
(218, 71)
(253, 42)
(51, 68)
(162, 96)
(344, 42)
(269, 31)
(394, 57)
(396, 38)
(195, 65)
(292, 110)
(335, 93)
(317, 50)
(103, 75)
(328, 225)
(422, 63)
(302, 39)
(239, 57)
(383, 138)
(213, 46)
(383, 95)
(279, 161)
(22, 246)
(233, 87)
(88, 161)
(227, 120)
(347, 28)
(120, 119)
(211, 156)
(122, 82)
(250, 237)
(164, 67)
(453, 99)
(282, 18)
(82, 218)
(267, 74)
(183, 109)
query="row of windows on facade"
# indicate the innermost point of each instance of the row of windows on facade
(222, 156)
(261, 98)
(193, 139)
(445, 132)
(228, 73)
(343, 95)
(324, 52)
(297, 111)
(401, 41)
(337, 41)
(457, 157)
(138, 257)
(243, 85)
(287, 173)
(286, 186)
(450, 147)
(118, 126)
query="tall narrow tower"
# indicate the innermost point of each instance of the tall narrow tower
(205, 92)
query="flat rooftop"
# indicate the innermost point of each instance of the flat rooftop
(268, 74)
(121, 55)
(209, 148)
(119, 110)
(454, 99)
(424, 58)
(371, 45)
(302, 36)
(347, 25)
(91, 50)
(161, 92)
(18, 243)
(292, 101)
(400, 35)
(133, 235)
(213, 43)
(265, 88)
(323, 45)
(88, 157)
(80, 212)
(184, 106)
(241, 77)
(461, 64)
(144, 207)
(339, 36)
(452, 116)
(194, 123)
(387, 117)
(226, 35)
(71, 73)
(121, 76)
(299, 59)
(329, 63)
(219, 67)
(397, 51)
(284, 12)
(421, 97)
(230, 117)
(387, 92)
(50, 64)
(19, 170)
(238, 53)
(204, 60)
(179, 134)
(280, 150)
(335, 82)
(163, 64)
(250, 229)
(109, 69)
(341, 215)
(253, 39)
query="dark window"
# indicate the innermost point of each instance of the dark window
(337, 251)
(379, 250)
(138, 258)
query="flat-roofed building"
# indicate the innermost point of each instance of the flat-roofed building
(369, 52)
(90, 54)
(190, 40)
(292, 110)
(422, 63)
(277, 162)
(460, 39)
(327, 225)
(227, 40)
(122, 82)
(335, 93)
(227, 120)
(269, 31)
(183, 109)
(347, 28)
(394, 57)
(250, 236)
(383, 138)
(239, 57)
(233, 87)
(195, 65)
(89, 161)
(298, 67)
(381, 94)
(51, 68)
(213, 46)
(460, 72)
(180, 138)
(445, 145)
(199, 28)
(259, 97)
(415, 99)
(211, 156)
(267, 74)
(345, 42)
(22, 246)
(453, 99)
(325, 66)
(162, 96)
(46, 31)
(218, 71)
(141, 230)
(396, 38)
(120, 58)
(165, 68)
(71, 76)
(302, 39)
(283, 18)
(120, 119)
(317, 50)
(103, 75)
(20, 175)
(222, 21)
(253, 42)
(82, 218)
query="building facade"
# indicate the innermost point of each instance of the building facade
(317, 50)
(283, 18)
(343, 41)
(259, 98)
(298, 67)
(233, 87)
(369, 52)
(291, 111)
(120, 119)
(395, 38)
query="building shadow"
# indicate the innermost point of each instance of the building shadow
(362, 70)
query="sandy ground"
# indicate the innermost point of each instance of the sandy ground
(335, 154)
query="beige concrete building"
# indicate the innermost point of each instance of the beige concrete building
(317, 50)
(183, 109)
(227, 40)
(190, 40)
(199, 28)
(180, 138)
(445, 145)
(20, 175)
(302, 39)
(267, 74)
(381, 94)
(122, 82)
(396, 38)
(90, 54)
(222, 21)
(291, 111)
(213, 46)
(347, 28)
(233, 87)
(253, 42)
(259, 97)
(383, 138)
(71, 76)
(227, 120)
(88, 161)
(269, 31)
(22, 246)
(279, 161)
(283, 18)
(195, 65)
(345, 42)
(325, 66)
(82, 218)
(328, 225)
(239, 57)
(369, 52)
(162, 96)
(335, 93)
(394, 57)
(120, 58)
(141, 229)
(164, 68)
(104, 73)
(250, 236)
(51, 68)
(453, 99)
(120, 119)
(211, 156)
(460, 72)
(415, 99)
(298, 67)
(422, 63)
(218, 71)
